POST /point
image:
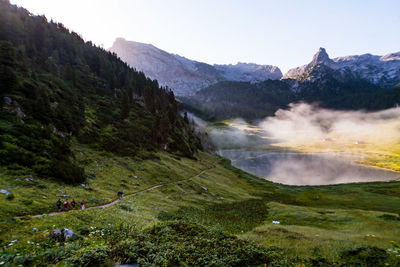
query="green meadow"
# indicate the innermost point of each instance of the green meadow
(315, 222)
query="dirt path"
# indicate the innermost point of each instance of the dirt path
(118, 200)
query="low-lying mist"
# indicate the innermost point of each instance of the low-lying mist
(257, 147)
(305, 123)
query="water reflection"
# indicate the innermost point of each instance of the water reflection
(306, 169)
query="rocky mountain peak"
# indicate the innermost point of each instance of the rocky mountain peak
(321, 57)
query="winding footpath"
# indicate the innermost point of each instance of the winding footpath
(118, 200)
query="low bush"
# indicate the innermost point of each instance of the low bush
(364, 256)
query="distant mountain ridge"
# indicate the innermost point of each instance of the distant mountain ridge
(353, 82)
(383, 71)
(185, 76)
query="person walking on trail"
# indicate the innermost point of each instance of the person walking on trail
(83, 204)
(73, 204)
(120, 194)
(58, 203)
(66, 204)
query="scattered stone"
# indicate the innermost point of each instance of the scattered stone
(81, 153)
(56, 234)
(29, 179)
(62, 191)
(83, 185)
(19, 112)
(35, 229)
(7, 100)
(276, 222)
(221, 198)
(204, 188)
(44, 197)
(135, 184)
(63, 196)
(68, 233)
(3, 191)
(135, 176)
(17, 179)
(179, 184)
(211, 194)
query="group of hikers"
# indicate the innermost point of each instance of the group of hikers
(66, 205)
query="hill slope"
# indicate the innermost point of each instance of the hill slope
(56, 88)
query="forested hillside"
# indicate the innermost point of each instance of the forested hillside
(256, 100)
(57, 89)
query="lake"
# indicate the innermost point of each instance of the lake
(306, 169)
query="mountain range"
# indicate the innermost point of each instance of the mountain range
(383, 71)
(185, 76)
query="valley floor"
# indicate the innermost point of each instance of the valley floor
(314, 221)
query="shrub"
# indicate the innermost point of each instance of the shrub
(67, 172)
(364, 256)
(93, 256)
(180, 243)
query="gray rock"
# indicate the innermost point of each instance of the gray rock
(7, 100)
(44, 197)
(19, 112)
(35, 229)
(204, 188)
(62, 191)
(56, 234)
(29, 179)
(3, 191)
(68, 233)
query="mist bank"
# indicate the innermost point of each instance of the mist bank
(253, 146)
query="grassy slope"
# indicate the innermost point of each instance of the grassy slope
(314, 220)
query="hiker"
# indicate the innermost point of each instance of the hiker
(73, 204)
(120, 194)
(66, 204)
(83, 204)
(58, 203)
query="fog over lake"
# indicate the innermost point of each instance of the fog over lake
(251, 146)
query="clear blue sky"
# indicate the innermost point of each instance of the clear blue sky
(285, 33)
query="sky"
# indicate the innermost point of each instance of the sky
(284, 33)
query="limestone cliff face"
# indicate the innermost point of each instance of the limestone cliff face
(185, 76)
(383, 71)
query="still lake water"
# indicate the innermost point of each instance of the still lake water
(306, 169)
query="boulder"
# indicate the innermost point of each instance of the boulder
(68, 233)
(7, 100)
(3, 191)
(56, 234)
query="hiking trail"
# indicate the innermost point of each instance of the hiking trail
(118, 200)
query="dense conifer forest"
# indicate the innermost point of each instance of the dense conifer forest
(57, 89)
